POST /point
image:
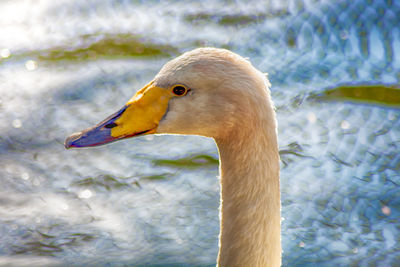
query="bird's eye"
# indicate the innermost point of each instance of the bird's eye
(179, 90)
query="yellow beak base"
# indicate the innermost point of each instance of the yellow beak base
(141, 115)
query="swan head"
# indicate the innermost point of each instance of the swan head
(207, 91)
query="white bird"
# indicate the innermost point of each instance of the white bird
(215, 93)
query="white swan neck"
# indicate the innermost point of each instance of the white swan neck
(250, 199)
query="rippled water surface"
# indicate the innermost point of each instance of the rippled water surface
(153, 200)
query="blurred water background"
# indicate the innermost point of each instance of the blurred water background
(153, 200)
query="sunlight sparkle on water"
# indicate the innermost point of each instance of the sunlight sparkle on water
(31, 65)
(345, 125)
(5, 53)
(386, 210)
(17, 123)
(25, 176)
(311, 117)
(85, 194)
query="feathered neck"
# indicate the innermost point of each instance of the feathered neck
(250, 196)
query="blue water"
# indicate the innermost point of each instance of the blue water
(66, 65)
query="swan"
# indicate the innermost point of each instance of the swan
(215, 93)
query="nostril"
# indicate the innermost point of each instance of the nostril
(110, 125)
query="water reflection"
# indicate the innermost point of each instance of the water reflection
(92, 47)
(335, 70)
(5, 53)
(364, 93)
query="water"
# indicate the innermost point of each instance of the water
(153, 201)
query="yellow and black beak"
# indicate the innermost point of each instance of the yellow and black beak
(141, 115)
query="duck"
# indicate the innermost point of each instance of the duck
(216, 93)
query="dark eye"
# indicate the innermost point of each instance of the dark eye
(179, 90)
